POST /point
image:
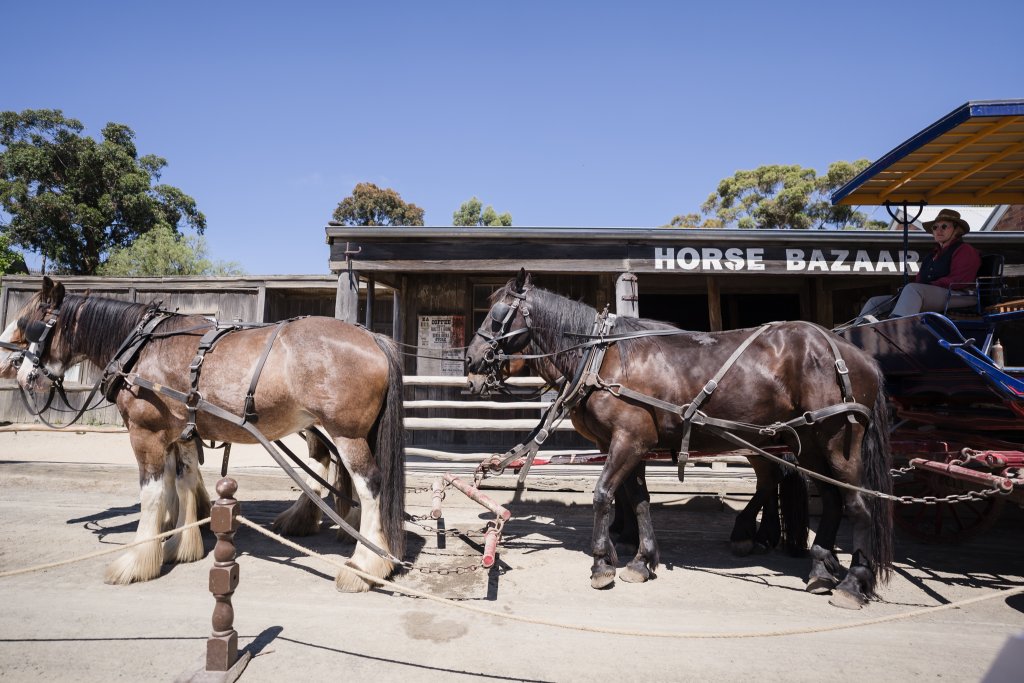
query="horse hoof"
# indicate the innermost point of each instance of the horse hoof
(741, 548)
(633, 575)
(350, 582)
(603, 580)
(819, 585)
(846, 600)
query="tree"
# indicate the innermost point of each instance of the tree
(471, 213)
(161, 251)
(781, 197)
(10, 260)
(371, 205)
(73, 199)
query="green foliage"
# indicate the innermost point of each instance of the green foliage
(371, 205)
(781, 197)
(161, 251)
(10, 260)
(472, 213)
(73, 199)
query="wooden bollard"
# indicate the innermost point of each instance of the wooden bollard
(222, 660)
(436, 496)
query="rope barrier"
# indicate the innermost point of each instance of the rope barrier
(101, 553)
(625, 632)
(412, 592)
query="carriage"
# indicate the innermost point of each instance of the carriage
(954, 378)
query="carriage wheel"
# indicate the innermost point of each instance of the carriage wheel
(942, 522)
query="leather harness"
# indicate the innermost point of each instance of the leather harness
(587, 379)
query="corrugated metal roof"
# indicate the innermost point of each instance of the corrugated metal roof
(973, 155)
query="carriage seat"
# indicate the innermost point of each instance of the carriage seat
(987, 288)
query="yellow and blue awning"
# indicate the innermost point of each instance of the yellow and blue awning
(974, 155)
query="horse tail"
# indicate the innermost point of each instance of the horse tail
(389, 450)
(794, 517)
(877, 472)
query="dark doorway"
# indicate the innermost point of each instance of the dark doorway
(686, 311)
(750, 310)
(690, 311)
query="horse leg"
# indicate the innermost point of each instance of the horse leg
(186, 546)
(824, 563)
(357, 458)
(859, 585)
(616, 467)
(642, 566)
(624, 529)
(344, 483)
(303, 517)
(746, 535)
(156, 473)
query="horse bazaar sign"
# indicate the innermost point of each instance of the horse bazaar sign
(706, 259)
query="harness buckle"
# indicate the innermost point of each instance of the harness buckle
(841, 367)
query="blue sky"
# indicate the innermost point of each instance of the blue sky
(562, 113)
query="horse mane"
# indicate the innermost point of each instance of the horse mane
(556, 318)
(96, 326)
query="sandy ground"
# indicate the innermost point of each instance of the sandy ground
(66, 495)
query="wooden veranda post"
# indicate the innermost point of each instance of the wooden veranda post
(627, 303)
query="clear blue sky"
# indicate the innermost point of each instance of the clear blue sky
(562, 113)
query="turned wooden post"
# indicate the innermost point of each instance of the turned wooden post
(222, 646)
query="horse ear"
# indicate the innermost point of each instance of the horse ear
(522, 280)
(57, 296)
(47, 287)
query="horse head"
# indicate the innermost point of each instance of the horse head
(505, 330)
(37, 330)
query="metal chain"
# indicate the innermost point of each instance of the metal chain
(967, 496)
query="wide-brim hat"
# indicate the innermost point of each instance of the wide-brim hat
(949, 216)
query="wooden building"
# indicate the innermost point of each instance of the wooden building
(701, 280)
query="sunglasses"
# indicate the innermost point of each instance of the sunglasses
(942, 225)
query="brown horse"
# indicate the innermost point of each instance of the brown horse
(318, 370)
(788, 372)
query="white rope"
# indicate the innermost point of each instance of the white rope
(101, 553)
(627, 632)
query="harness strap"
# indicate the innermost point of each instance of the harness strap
(249, 412)
(217, 411)
(571, 394)
(193, 398)
(705, 392)
(128, 353)
(842, 371)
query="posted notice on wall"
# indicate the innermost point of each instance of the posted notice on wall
(441, 340)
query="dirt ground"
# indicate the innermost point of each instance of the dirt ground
(65, 495)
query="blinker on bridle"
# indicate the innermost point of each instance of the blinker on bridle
(38, 335)
(501, 316)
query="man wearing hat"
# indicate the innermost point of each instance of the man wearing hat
(953, 265)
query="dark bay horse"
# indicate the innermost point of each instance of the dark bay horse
(788, 371)
(317, 370)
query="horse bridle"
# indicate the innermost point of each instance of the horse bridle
(503, 314)
(38, 333)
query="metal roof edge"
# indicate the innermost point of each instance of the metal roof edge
(591, 234)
